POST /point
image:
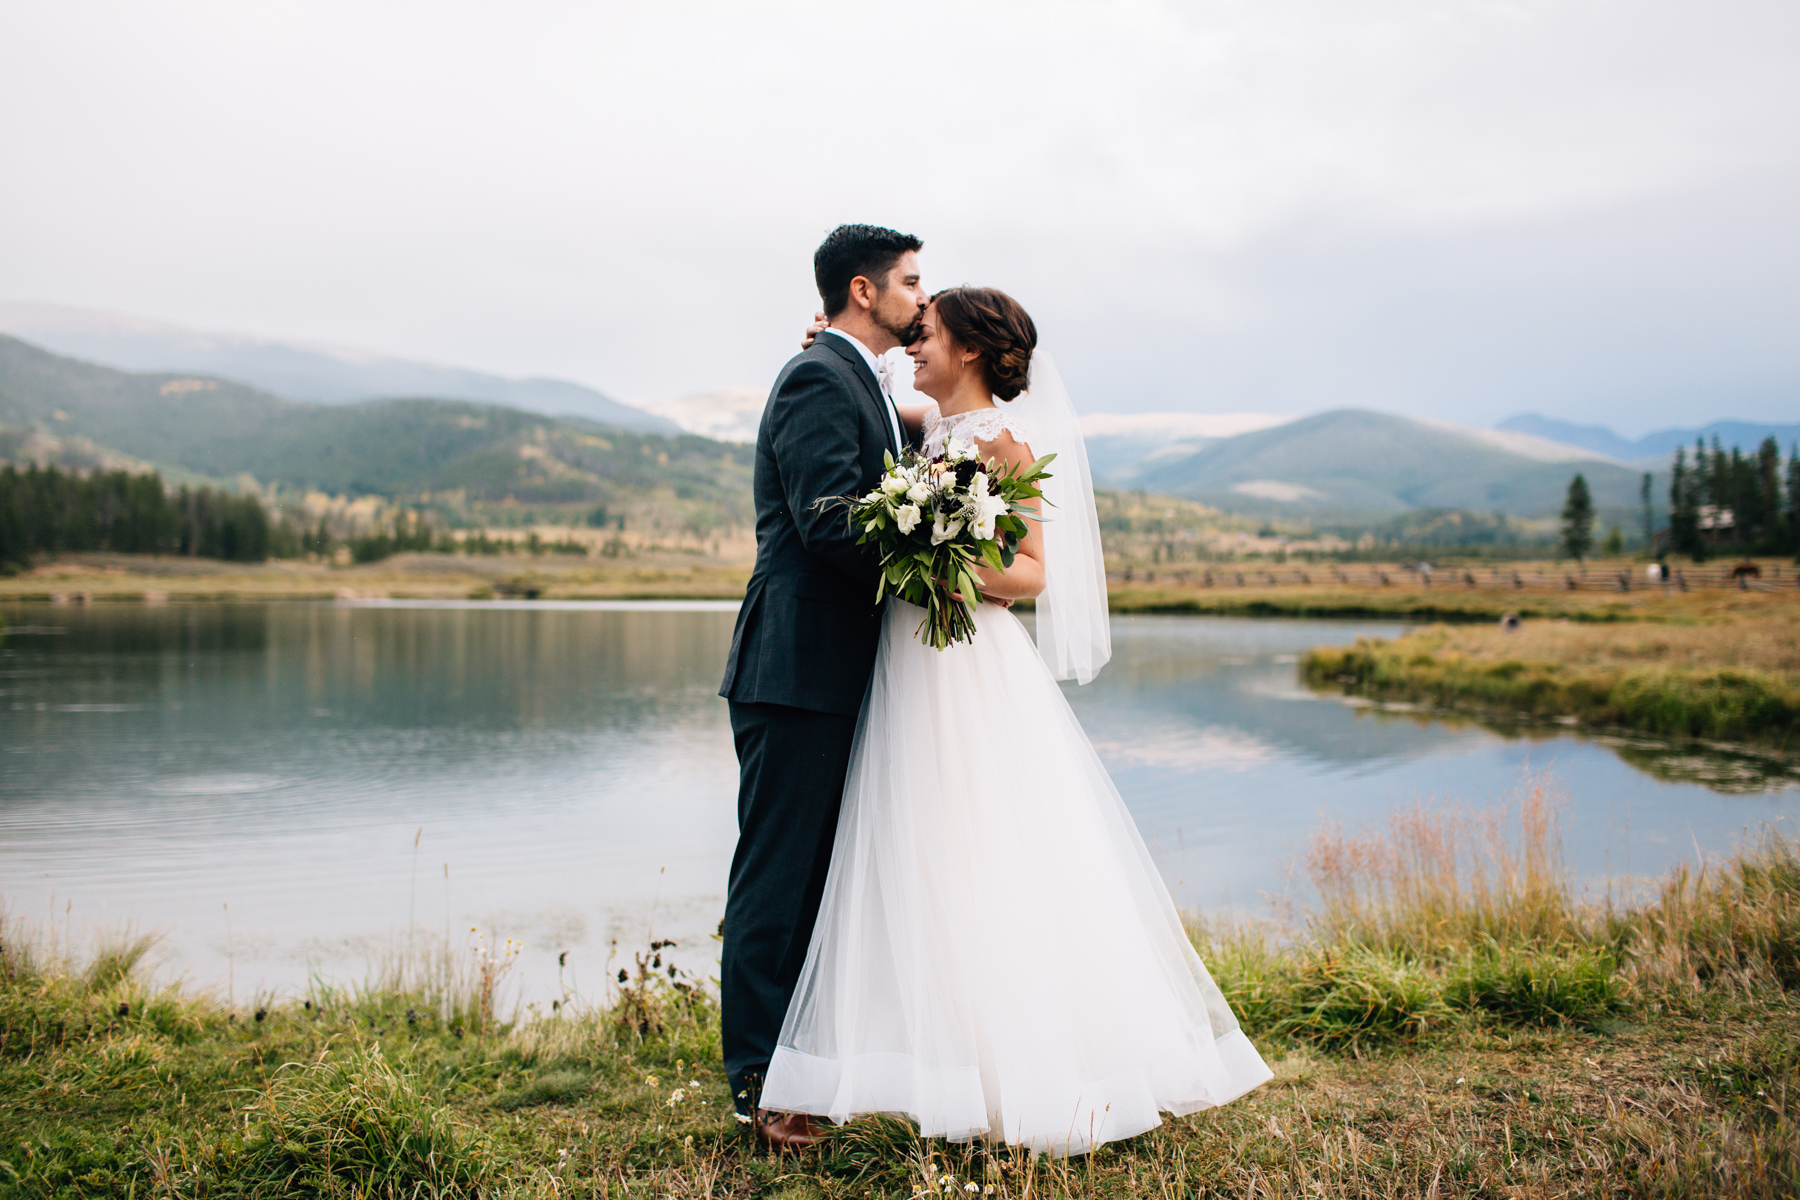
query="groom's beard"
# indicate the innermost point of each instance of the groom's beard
(909, 333)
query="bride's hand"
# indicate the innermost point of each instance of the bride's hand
(819, 325)
(982, 598)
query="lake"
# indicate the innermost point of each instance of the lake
(290, 789)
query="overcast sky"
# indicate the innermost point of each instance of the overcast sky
(1462, 210)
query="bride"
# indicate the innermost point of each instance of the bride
(996, 956)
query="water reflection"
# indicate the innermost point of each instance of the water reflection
(571, 771)
(251, 779)
(1227, 761)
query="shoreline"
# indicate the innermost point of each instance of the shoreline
(1725, 677)
(665, 575)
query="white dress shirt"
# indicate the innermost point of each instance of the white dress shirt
(879, 368)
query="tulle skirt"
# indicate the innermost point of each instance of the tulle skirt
(996, 956)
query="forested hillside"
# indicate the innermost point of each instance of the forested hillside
(410, 448)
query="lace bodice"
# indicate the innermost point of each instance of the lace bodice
(966, 428)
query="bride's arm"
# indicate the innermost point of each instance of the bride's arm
(1025, 578)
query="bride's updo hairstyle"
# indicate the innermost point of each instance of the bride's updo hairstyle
(996, 326)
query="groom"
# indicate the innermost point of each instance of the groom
(806, 637)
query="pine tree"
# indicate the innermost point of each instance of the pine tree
(1578, 520)
(1767, 465)
(1793, 500)
(1649, 513)
(47, 511)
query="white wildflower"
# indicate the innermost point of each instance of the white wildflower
(942, 530)
(741, 1118)
(906, 517)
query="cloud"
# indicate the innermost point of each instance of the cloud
(1454, 209)
(1181, 749)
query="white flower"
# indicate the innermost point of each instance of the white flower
(978, 489)
(893, 485)
(906, 517)
(918, 493)
(942, 531)
(986, 509)
(872, 497)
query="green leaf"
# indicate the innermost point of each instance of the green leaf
(970, 589)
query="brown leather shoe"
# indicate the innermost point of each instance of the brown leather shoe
(786, 1132)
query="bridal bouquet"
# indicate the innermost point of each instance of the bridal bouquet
(933, 521)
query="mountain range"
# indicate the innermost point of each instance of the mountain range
(1354, 461)
(347, 422)
(1122, 447)
(1659, 445)
(324, 374)
(218, 428)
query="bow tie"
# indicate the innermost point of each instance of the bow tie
(884, 375)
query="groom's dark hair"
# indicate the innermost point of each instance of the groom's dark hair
(852, 250)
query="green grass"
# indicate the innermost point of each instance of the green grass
(1721, 703)
(1446, 1020)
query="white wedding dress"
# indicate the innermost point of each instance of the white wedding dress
(996, 956)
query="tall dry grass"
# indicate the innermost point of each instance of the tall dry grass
(1733, 923)
(1451, 912)
(467, 987)
(1447, 912)
(1442, 878)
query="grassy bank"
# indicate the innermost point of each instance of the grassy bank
(1722, 672)
(650, 575)
(1530, 590)
(1327, 600)
(1448, 1020)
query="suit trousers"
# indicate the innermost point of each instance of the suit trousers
(791, 766)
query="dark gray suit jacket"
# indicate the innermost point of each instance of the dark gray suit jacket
(807, 632)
